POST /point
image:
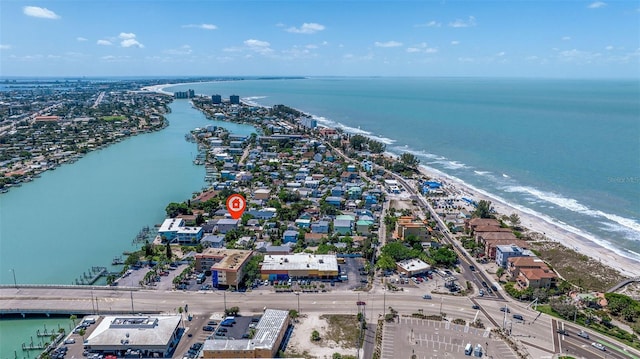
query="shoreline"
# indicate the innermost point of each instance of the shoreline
(534, 222)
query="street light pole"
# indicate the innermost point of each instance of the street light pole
(298, 295)
(15, 283)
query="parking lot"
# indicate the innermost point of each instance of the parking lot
(438, 339)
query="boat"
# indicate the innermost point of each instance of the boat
(117, 261)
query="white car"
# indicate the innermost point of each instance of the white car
(598, 346)
(70, 341)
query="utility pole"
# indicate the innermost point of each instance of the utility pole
(131, 292)
(93, 308)
(15, 283)
(225, 300)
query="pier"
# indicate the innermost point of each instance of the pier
(92, 276)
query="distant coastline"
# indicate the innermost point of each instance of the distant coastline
(570, 237)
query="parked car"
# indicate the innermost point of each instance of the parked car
(208, 328)
(70, 341)
(583, 334)
(599, 346)
(212, 322)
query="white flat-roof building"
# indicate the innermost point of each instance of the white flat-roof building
(270, 331)
(411, 267)
(276, 267)
(169, 228)
(148, 335)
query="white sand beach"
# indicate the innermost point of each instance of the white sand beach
(553, 231)
(159, 89)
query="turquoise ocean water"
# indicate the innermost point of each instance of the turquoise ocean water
(568, 150)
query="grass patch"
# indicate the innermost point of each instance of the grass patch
(113, 118)
(342, 329)
(577, 268)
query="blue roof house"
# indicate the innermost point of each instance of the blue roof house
(320, 227)
(290, 236)
(342, 226)
(335, 201)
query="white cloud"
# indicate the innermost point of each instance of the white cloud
(252, 43)
(422, 48)
(201, 26)
(129, 40)
(597, 5)
(388, 44)
(261, 47)
(609, 48)
(104, 42)
(127, 35)
(471, 22)
(306, 28)
(5, 47)
(431, 23)
(40, 12)
(578, 56)
(131, 43)
(501, 54)
(182, 50)
(566, 38)
(455, 42)
(81, 39)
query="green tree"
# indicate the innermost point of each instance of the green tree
(514, 219)
(174, 209)
(315, 336)
(168, 251)
(233, 311)
(444, 256)
(376, 147)
(357, 142)
(483, 210)
(409, 160)
(199, 219)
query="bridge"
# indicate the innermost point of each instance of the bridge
(623, 283)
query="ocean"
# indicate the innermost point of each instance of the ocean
(566, 150)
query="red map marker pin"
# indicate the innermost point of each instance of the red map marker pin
(236, 204)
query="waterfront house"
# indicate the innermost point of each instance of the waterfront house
(169, 228)
(188, 235)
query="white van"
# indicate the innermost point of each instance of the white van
(468, 349)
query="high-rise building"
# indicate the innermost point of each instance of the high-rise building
(216, 99)
(234, 99)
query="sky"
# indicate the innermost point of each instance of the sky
(549, 39)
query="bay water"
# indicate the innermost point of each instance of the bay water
(567, 150)
(80, 215)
